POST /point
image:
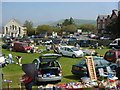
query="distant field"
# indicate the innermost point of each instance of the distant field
(13, 72)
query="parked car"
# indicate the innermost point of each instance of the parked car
(105, 38)
(112, 55)
(71, 51)
(83, 43)
(81, 68)
(72, 39)
(48, 67)
(6, 46)
(115, 43)
(92, 36)
(23, 47)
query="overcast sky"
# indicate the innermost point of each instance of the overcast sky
(40, 12)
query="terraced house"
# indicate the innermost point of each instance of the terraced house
(104, 20)
(14, 28)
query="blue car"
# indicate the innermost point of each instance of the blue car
(81, 68)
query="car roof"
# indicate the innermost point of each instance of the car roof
(20, 42)
(113, 51)
(68, 46)
(49, 57)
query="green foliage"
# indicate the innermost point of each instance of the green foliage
(28, 24)
(13, 72)
(69, 28)
(29, 27)
(114, 26)
(87, 27)
(31, 32)
(68, 22)
(44, 29)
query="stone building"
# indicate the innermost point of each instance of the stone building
(104, 20)
(14, 28)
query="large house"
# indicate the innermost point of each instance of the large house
(14, 28)
(104, 20)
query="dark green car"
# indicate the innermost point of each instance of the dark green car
(81, 68)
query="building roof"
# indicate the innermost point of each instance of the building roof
(102, 16)
(15, 20)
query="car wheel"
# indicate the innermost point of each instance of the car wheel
(28, 51)
(73, 56)
(62, 54)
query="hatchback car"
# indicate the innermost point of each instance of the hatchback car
(6, 46)
(48, 67)
(71, 51)
(81, 68)
(112, 55)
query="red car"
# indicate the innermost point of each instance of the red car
(23, 47)
(112, 55)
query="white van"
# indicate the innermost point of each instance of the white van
(115, 43)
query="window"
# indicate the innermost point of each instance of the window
(110, 54)
(114, 42)
(19, 30)
(96, 63)
(103, 62)
(68, 49)
(75, 49)
(6, 30)
(13, 27)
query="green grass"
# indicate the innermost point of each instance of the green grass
(13, 72)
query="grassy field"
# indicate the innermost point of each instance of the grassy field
(13, 71)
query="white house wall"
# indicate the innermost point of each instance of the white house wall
(15, 31)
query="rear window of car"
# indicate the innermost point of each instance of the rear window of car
(104, 62)
(75, 49)
(110, 54)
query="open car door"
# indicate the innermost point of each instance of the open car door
(30, 69)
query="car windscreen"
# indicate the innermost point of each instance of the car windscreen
(75, 49)
(25, 45)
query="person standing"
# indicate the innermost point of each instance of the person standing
(18, 59)
(28, 82)
(9, 58)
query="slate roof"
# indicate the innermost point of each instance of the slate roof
(102, 16)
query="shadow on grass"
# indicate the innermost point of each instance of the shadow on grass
(45, 83)
(73, 77)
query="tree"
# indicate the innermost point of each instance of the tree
(69, 29)
(68, 22)
(44, 29)
(71, 22)
(87, 28)
(31, 32)
(114, 26)
(29, 26)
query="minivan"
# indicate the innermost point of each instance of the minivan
(115, 43)
(112, 55)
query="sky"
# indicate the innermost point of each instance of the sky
(43, 12)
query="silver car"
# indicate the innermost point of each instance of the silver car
(48, 68)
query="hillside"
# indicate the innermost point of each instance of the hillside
(77, 22)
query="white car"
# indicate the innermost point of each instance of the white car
(71, 51)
